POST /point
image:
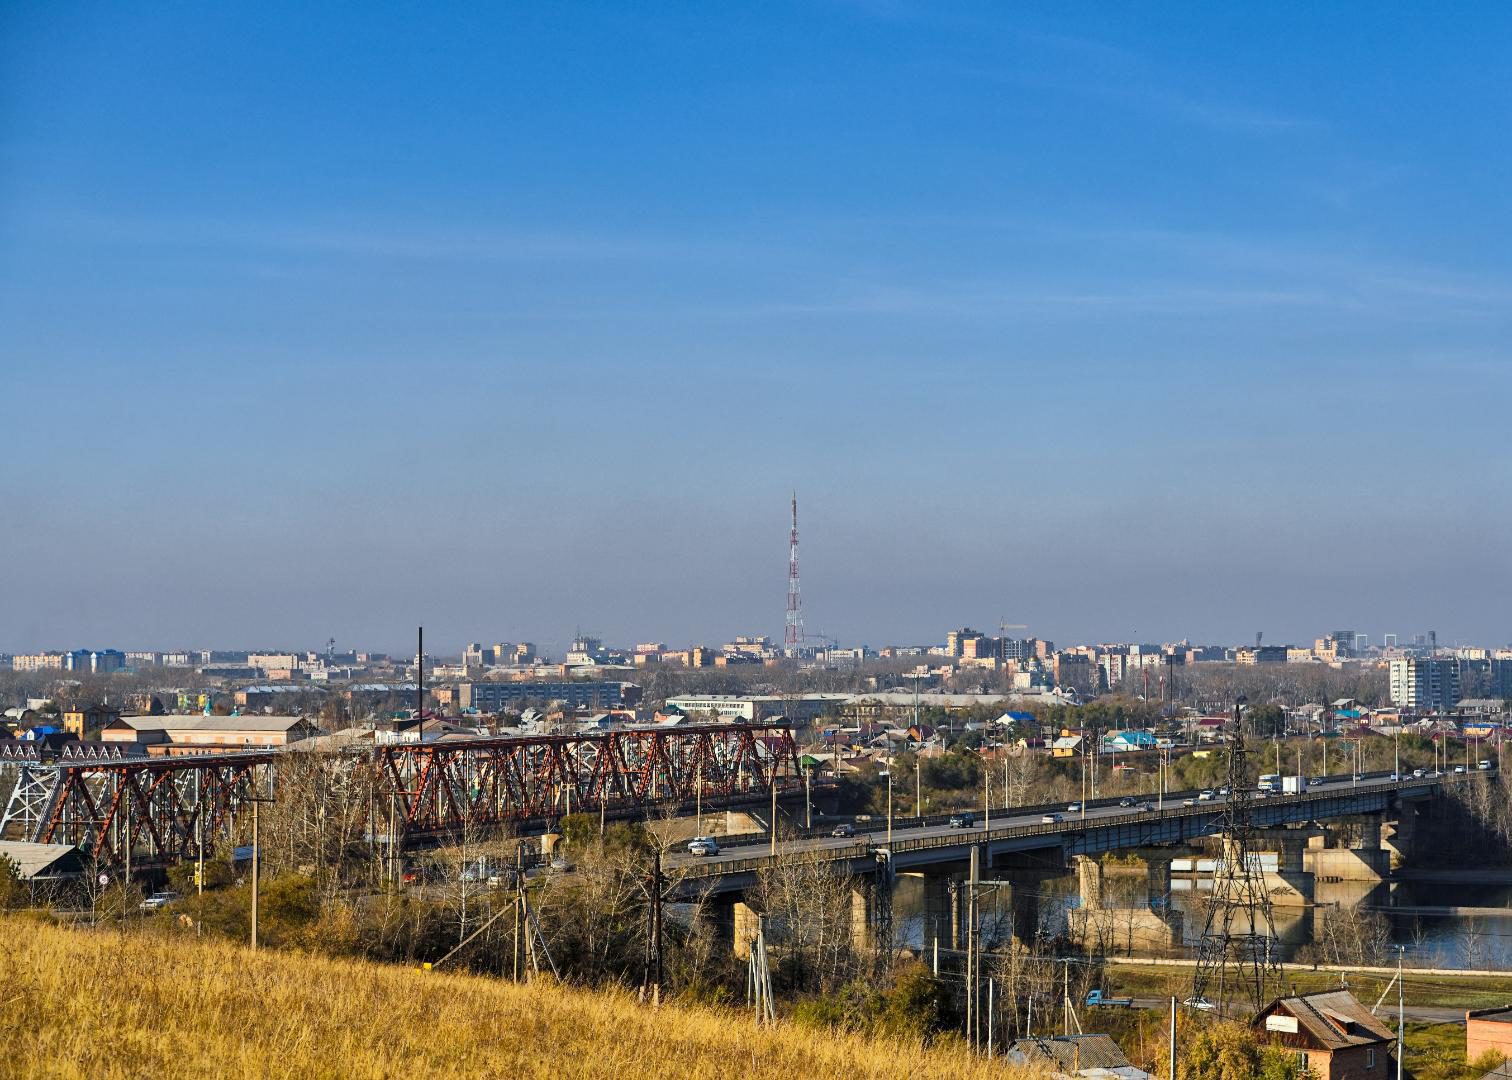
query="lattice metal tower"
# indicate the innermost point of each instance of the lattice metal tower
(1237, 953)
(792, 638)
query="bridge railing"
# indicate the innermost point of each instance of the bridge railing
(869, 847)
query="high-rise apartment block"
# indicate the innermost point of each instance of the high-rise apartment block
(1424, 685)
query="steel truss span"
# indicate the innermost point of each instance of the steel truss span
(444, 787)
(158, 809)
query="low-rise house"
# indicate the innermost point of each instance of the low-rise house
(1066, 1056)
(1333, 1035)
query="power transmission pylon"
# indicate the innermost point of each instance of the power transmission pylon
(1237, 953)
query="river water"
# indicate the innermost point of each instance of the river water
(1431, 938)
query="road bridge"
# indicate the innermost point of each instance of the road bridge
(1031, 843)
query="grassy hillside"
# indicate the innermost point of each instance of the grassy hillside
(80, 1003)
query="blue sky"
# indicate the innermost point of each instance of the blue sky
(1133, 321)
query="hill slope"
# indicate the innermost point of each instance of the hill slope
(100, 1003)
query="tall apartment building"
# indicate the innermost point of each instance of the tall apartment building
(95, 661)
(1423, 684)
(43, 661)
(955, 640)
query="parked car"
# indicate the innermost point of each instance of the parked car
(844, 830)
(703, 845)
(158, 900)
(964, 820)
(560, 865)
(1051, 819)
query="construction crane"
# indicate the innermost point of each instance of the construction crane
(1003, 627)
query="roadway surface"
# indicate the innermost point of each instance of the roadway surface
(1092, 811)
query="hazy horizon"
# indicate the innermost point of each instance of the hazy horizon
(1125, 324)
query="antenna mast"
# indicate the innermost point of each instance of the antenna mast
(792, 639)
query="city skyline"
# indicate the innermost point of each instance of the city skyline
(1119, 323)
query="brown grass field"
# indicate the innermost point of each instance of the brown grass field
(81, 1003)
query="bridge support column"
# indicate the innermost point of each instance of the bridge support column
(1366, 862)
(937, 921)
(1158, 882)
(743, 924)
(863, 903)
(1089, 874)
(1402, 844)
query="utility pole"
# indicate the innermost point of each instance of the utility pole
(1173, 1040)
(808, 798)
(255, 844)
(889, 804)
(918, 788)
(1401, 1010)
(773, 779)
(986, 794)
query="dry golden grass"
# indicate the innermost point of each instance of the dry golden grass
(79, 1003)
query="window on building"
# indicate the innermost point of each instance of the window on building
(1370, 1057)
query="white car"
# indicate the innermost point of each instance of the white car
(1199, 1003)
(1073, 808)
(1205, 796)
(158, 900)
(703, 845)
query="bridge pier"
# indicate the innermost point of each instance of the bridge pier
(1152, 926)
(1367, 861)
(744, 922)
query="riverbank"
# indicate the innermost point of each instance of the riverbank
(1434, 995)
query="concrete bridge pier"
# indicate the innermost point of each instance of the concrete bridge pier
(1402, 843)
(1367, 861)
(744, 922)
(1152, 926)
(939, 917)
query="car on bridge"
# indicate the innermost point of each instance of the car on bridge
(963, 820)
(1458, 769)
(1051, 819)
(1126, 801)
(703, 845)
(844, 830)
(1206, 795)
(1484, 764)
(1073, 808)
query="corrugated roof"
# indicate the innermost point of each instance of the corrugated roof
(1071, 1053)
(251, 722)
(36, 860)
(1333, 1020)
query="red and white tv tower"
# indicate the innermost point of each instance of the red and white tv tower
(792, 639)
